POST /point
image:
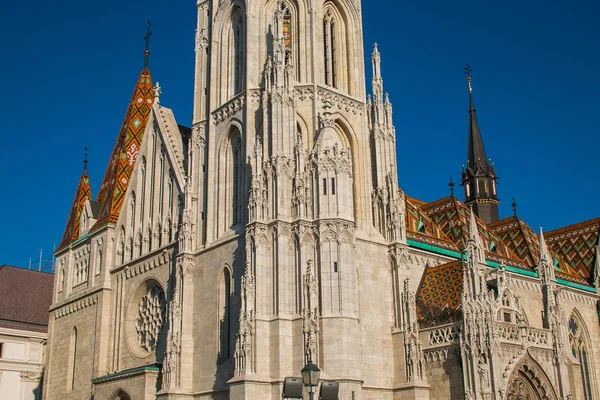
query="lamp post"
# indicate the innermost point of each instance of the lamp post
(310, 378)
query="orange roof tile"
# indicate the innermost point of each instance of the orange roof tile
(83, 193)
(438, 296)
(118, 173)
(576, 243)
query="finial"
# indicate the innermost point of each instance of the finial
(514, 206)
(157, 92)
(468, 70)
(85, 159)
(375, 48)
(147, 39)
(451, 184)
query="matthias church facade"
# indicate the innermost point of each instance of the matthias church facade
(216, 260)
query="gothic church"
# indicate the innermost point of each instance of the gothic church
(217, 260)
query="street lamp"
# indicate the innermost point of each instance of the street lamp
(310, 378)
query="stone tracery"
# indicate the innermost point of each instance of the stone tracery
(150, 318)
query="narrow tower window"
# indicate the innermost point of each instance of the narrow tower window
(580, 350)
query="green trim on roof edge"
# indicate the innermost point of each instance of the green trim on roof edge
(153, 367)
(433, 249)
(532, 274)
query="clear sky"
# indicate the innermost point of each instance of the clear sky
(68, 69)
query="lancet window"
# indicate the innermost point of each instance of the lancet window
(330, 48)
(581, 351)
(143, 196)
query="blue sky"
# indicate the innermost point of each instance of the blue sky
(68, 70)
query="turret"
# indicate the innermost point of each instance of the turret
(478, 177)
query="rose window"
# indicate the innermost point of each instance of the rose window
(150, 318)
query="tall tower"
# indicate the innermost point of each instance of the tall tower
(479, 177)
(283, 144)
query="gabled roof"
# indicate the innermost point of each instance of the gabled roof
(421, 228)
(576, 243)
(519, 237)
(438, 296)
(83, 193)
(452, 217)
(127, 147)
(523, 241)
(26, 297)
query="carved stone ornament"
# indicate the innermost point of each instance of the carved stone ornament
(30, 376)
(150, 318)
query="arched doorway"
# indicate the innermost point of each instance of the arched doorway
(119, 394)
(528, 382)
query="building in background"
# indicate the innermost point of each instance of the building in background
(25, 297)
(217, 260)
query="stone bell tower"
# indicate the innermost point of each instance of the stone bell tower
(279, 175)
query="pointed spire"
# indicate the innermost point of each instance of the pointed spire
(479, 178)
(127, 147)
(476, 157)
(546, 263)
(82, 194)
(475, 243)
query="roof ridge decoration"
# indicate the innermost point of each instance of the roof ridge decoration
(124, 155)
(82, 194)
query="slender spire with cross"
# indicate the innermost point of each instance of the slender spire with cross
(514, 207)
(147, 39)
(478, 178)
(451, 185)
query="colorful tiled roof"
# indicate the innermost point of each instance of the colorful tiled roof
(523, 241)
(576, 243)
(421, 228)
(438, 296)
(83, 193)
(452, 217)
(118, 173)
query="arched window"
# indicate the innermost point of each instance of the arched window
(329, 48)
(225, 315)
(72, 360)
(238, 52)
(132, 213)
(170, 193)
(581, 351)
(143, 189)
(121, 248)
(232, 168)
(99, 259)
(62, 280)
(161, 186)
(85, 271)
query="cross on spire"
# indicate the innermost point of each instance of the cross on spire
(147, 40)
(451, 185)
(85, 159)
(468, 70)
